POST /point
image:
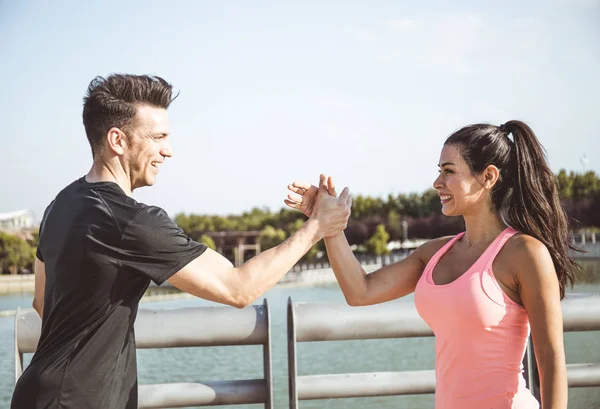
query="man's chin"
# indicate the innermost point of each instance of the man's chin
(144, 183)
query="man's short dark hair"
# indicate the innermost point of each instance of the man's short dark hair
(113, 101)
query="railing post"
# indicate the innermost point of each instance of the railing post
(532, 375)
(186, 327)
(267, 371)
(292, 370)
(18, 353)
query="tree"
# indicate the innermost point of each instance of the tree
(579, 192)
(208, 241)
(585, 185)
(565, 184)
(15, 253)
(394, 223)
(377, 244)
(271, 237)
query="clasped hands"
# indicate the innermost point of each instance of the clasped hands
(321, 204)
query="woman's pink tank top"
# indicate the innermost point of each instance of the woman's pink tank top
(480, 336)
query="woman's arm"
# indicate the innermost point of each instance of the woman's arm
(388, 283)
(540, 292)
(359, 288)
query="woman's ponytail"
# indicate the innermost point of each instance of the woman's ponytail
(534, 206)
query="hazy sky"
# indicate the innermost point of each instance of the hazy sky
(272, 91)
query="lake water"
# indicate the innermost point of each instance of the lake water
(245, 362)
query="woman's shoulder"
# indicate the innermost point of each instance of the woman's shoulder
(524, 252)
(522, 244)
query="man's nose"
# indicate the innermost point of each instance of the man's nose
(166, 150)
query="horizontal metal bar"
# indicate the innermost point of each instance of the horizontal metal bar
(399, 319)
(357, 385)
(583, 375)
(336, 321)
(181, 395)
(167, 328)
(581, 313)
(201, 326)
(28, 326)
(365, 384)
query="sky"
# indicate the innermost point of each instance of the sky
(276, 91)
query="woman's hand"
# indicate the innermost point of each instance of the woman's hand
(306, 195)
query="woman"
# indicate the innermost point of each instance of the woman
(484, 290)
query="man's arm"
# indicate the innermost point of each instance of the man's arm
(212, 277)
(40, 283)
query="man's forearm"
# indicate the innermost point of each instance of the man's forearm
(265, 270)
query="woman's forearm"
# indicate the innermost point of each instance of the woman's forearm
(553, 382)
(348, 271)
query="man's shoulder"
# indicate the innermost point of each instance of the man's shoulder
(151, 216)
(99, 203)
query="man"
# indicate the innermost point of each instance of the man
(99, 249)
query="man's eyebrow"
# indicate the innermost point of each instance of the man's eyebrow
(447, 164)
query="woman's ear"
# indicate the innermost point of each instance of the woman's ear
(490, 177)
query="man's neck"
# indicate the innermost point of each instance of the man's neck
(104, 172)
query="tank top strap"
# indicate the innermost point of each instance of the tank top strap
(497, 245)
(438, 254)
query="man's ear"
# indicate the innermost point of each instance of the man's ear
(117, 140)
(490, 177)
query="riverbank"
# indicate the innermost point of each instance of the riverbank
(174, 295)
(302, 274)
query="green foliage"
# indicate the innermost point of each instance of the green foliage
(270, 237)
(15, 253)
(580, 193)
(394, 224)
(391, 212)
(377, 244)
(585, 185)
(565, 184)
(208, 241)
(578, 186)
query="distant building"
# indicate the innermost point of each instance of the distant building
(18, 221)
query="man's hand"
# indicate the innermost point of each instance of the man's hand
(331, 213)
(306, 195)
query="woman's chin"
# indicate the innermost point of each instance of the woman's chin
(448, 212)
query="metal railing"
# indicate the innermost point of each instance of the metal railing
(185, 327)
(336, 322)
(225, 326)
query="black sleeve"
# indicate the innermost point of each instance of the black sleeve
(38, 252)
(153, 245)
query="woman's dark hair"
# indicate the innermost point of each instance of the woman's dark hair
(113, 101)
(526, 189)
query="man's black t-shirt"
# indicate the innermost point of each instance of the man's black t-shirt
(100, 249)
